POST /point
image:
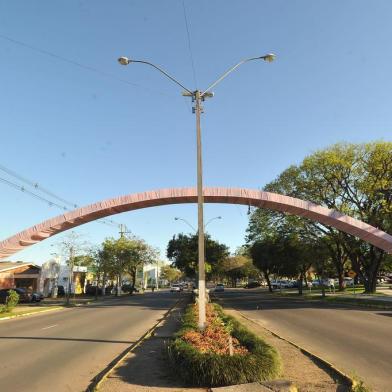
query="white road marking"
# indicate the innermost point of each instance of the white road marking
(51, 326)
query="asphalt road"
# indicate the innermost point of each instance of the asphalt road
(356, 340)
(63, 350)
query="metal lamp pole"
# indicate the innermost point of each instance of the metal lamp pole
(197, 97)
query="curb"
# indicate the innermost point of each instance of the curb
(31, 313)
(100, 377)
(351, 382)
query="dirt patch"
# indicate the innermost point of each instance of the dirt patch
(303, 371)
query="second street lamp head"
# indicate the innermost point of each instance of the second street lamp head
(269, 57)
(124, 60)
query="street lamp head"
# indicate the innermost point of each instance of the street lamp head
(124, 60)
(270, 57)
(176, 218)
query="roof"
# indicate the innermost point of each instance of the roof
(10, 265)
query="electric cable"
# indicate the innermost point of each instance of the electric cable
(189, 43)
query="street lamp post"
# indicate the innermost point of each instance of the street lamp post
(197, 97)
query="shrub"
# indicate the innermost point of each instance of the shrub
(254, 360)
(11, 301)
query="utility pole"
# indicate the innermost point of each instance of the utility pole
(70, 274)
(123, 230)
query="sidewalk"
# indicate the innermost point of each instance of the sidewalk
(145, 369)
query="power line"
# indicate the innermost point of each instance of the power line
(51, 203)
(36, 186)
(189, 43)
(77, 64)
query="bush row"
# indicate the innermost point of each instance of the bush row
(210, 369)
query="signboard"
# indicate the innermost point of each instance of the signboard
(352, 274)
(78, 268)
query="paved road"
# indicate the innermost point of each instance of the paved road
(63, 350)
(356, 340)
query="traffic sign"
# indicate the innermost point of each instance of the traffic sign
(352, 274)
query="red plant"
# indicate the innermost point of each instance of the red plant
(215, 338)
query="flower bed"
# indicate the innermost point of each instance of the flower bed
(225, 353)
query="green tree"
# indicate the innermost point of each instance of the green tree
(86, 260)
(182, 250)
(126, 255)
(234, 268)
(170, 274)
(355, 179)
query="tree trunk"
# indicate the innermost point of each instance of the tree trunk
(341, 280)
(266, 276)
(118, 291)
(103, 284)
(300, 288)
(133, 277)
(372, 271)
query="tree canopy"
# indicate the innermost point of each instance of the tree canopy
(182, 250)
(355, 179)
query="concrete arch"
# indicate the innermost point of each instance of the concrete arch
(161, 197)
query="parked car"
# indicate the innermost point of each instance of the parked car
(252, 285)
(175, 288)
(219, 287)
(24, 296)
(36, 297)
(284, 284)
(127, 288)
(349, 281)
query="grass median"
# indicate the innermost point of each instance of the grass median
(26, 310)
(225, 353)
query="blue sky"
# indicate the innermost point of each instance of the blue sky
(100, 130)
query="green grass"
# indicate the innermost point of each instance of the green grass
(210, 369)
(17, 312)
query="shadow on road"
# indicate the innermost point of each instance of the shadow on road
(64, 339)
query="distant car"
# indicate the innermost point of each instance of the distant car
(348, 281)
(24, 296)
(219, 287)
(175, 288)
(36, 297)
(127, 288)
(284, 284)
(252, 285)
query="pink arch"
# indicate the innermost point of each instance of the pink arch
(160, 197)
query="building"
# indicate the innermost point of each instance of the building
(79, 280)
(49, 278)
(19, 274)
(151, 274)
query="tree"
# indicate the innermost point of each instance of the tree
(266, 258)
(182, 250)
(170, 274)
(84, 260)
(126, 255)
(70, 246)
(235, 267)
(355, 179)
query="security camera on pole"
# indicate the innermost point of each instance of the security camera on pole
(198, 97)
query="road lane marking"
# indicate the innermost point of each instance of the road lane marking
(50, 326)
